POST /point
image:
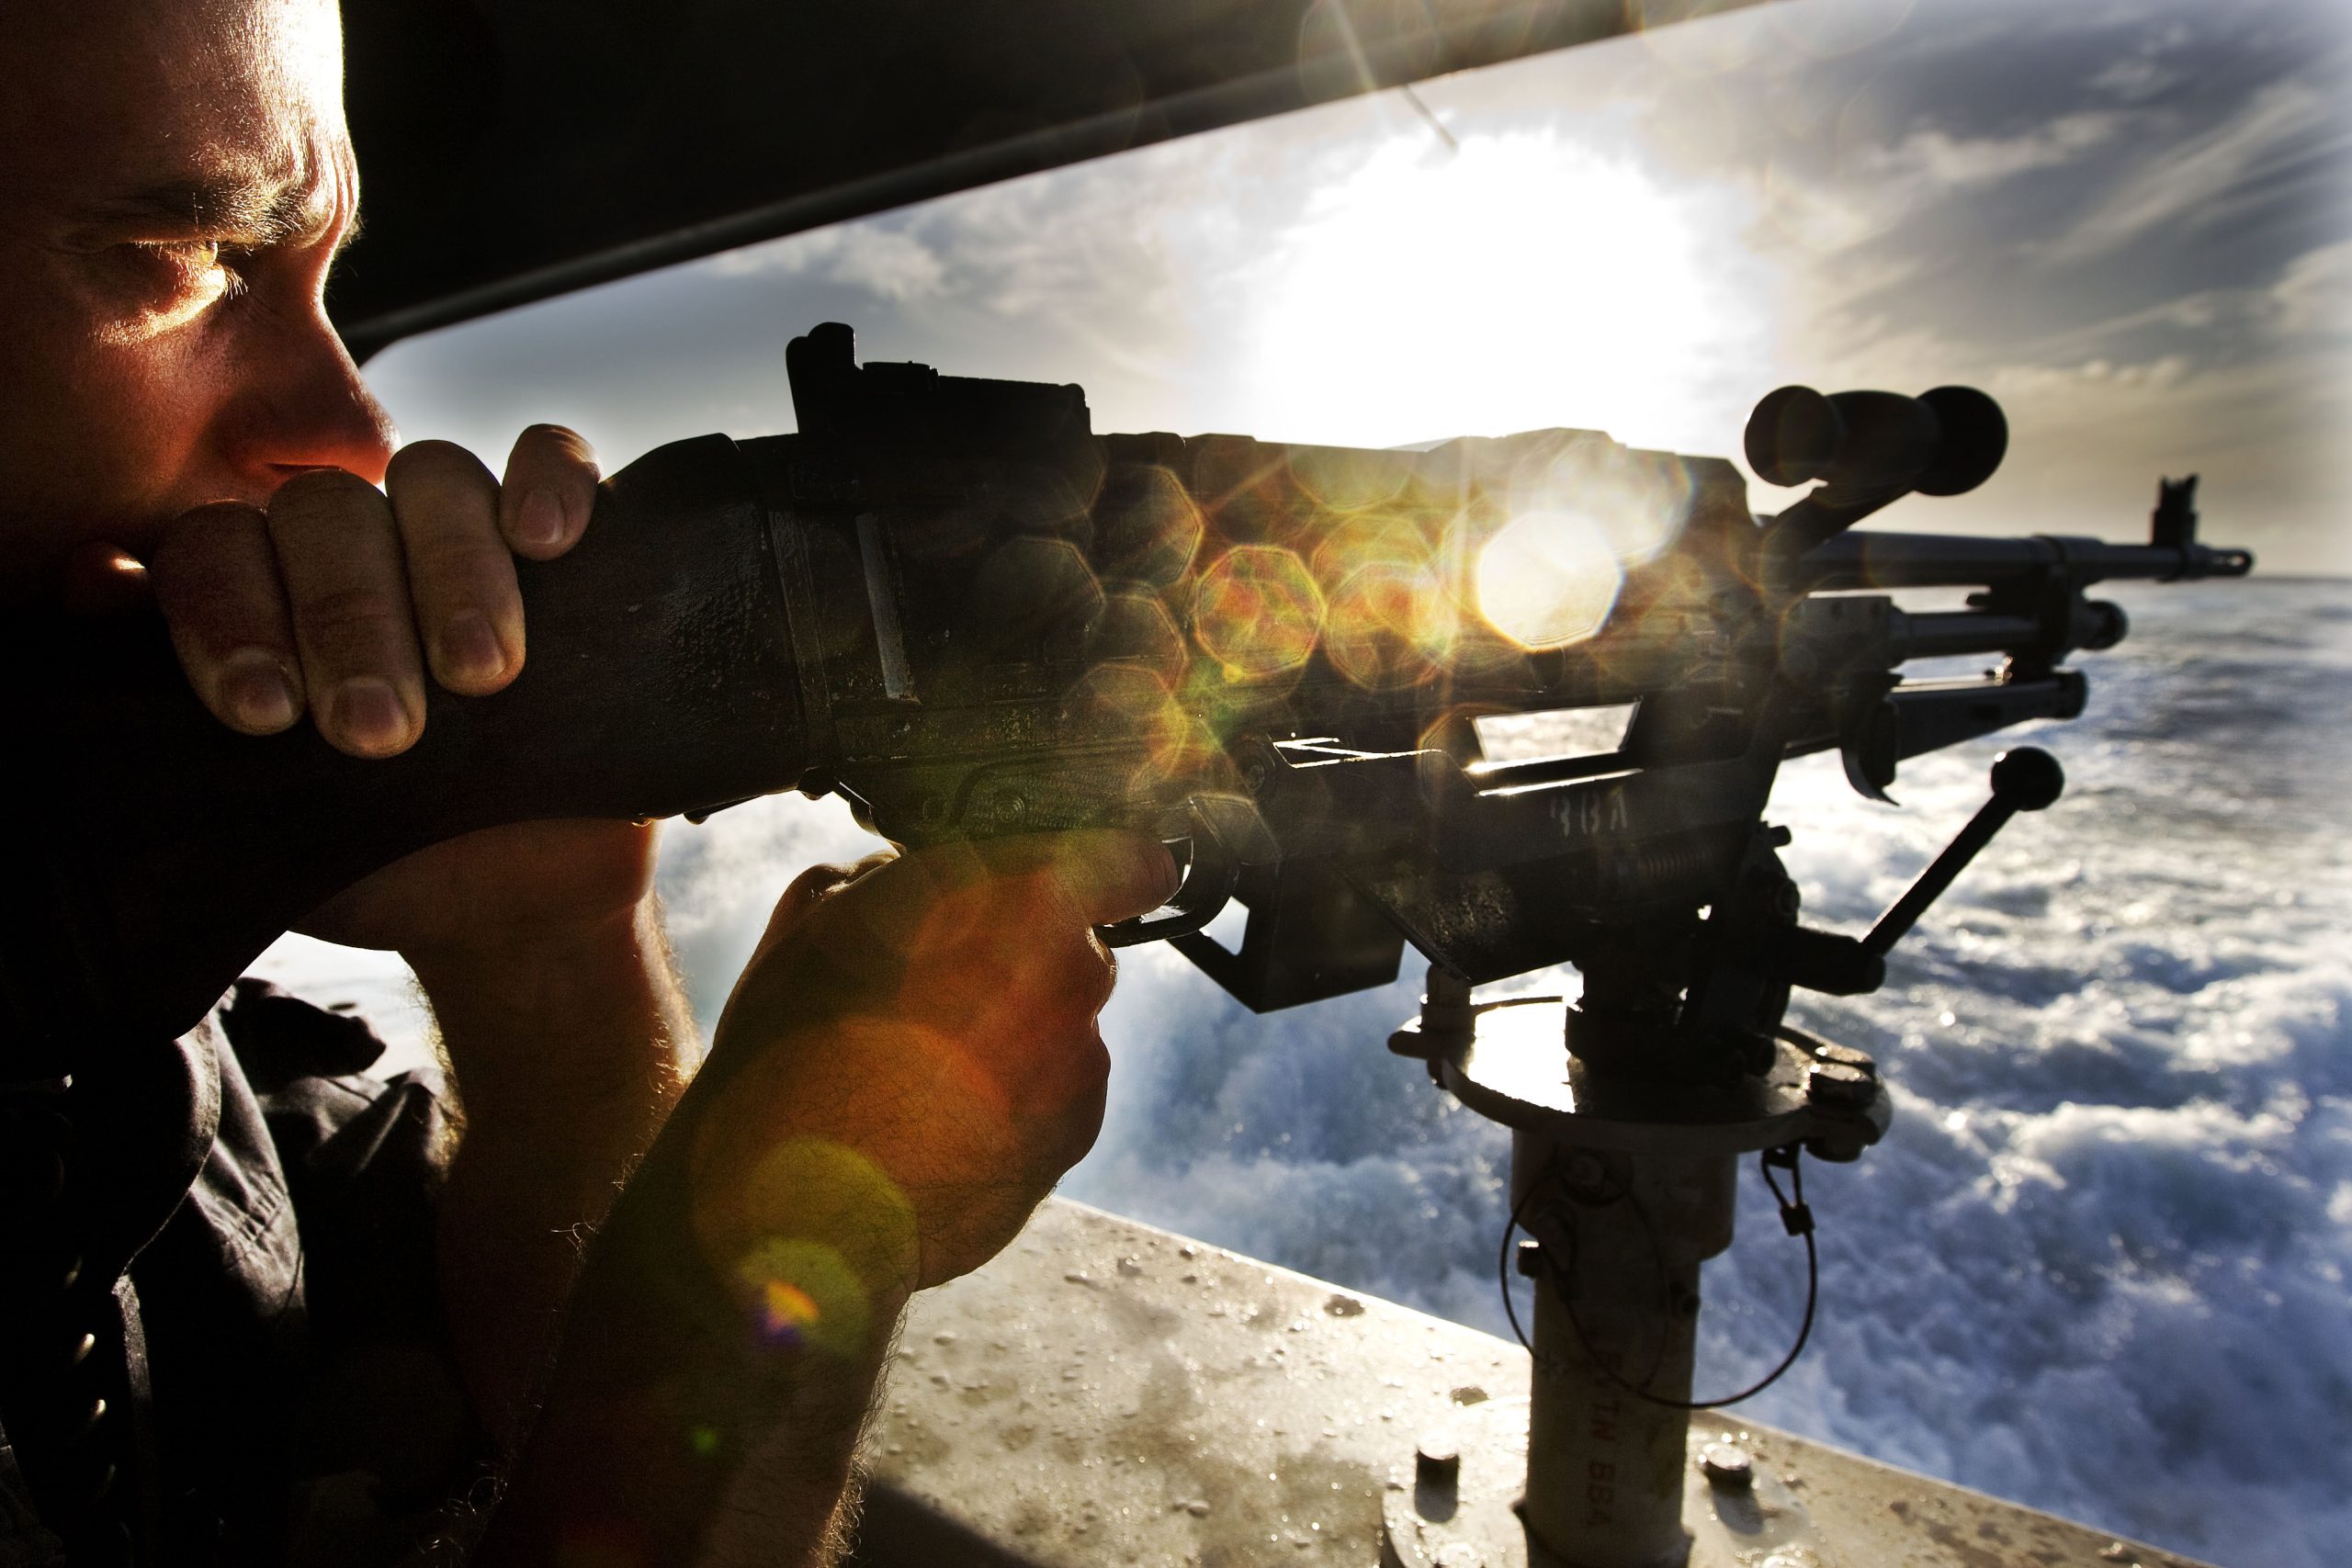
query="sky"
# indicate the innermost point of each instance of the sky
(2130, 220)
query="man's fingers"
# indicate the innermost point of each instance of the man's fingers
(346, 584)
(215, 576)
(1103, 874)
(1074, 879)
(323, 599)
(1080, 1122)
(808, 890)
(460, 572)
(550, 487)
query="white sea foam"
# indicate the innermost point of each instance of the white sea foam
(2100, 1263)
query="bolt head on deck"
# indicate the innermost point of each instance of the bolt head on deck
(1727, 1466)
(1437, 1458)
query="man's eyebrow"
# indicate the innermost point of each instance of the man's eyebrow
(253, 212)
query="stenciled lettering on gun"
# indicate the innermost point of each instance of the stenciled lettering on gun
(1587, 815)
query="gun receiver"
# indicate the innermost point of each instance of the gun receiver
(951, 602)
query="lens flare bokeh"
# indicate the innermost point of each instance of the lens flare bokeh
(1641, 500)
(801, 1227)
(1388, 627)
(1147, 529)
(1549, 579)
(1132, 704)
(1348, 479)
(1136, 630)
(1345, 544)
(1258, 612)
(804, 1295)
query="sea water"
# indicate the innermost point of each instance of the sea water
(2099, 1263)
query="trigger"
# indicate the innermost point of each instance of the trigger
(1871, 752)
(1210, 876)
(1860, 773)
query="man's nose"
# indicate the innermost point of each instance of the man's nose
(307, 408)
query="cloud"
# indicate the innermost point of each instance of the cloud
(891, 263)
(2222, 173)
(2164, 372)
(2135, 80)
(2144, 73)
(2313, 297)
(2245, 385)
(2089, 439)
(1940, 159)
(2308, 304)
(1865, 196)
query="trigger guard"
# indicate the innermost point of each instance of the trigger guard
(1206, 889)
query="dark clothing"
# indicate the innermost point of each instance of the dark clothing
(253, 1217)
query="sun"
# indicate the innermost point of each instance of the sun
(1515, 282)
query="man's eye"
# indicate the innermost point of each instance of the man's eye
(167, 284)
(203, 270)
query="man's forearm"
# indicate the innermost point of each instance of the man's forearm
(708, 1400)
(568, 1053)
(906, 1066)
(730, 1464)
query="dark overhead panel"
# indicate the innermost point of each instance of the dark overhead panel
(517, 148)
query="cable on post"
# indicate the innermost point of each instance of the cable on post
(1796, 1218)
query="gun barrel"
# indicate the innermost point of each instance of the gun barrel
(1954, 561)
(1938, 634)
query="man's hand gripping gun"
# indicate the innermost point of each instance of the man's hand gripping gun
(949, 601)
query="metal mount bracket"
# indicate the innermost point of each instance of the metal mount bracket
(1635, 1177)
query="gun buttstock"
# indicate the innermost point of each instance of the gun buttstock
(165, 852)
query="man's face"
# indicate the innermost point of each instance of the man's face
(174, 182)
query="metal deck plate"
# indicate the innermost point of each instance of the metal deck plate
(1108, 1393)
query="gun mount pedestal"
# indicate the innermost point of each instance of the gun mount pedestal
(1626, 1187)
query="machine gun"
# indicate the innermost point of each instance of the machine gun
(952, 604)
